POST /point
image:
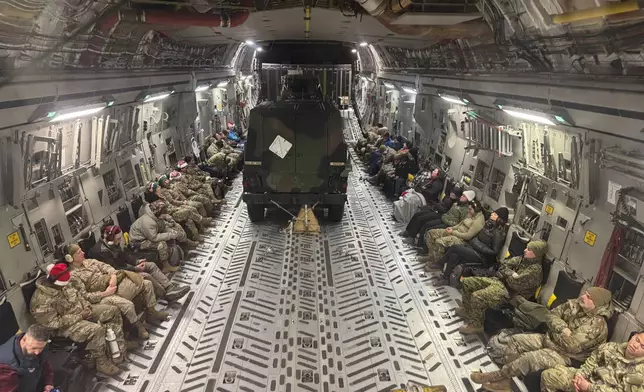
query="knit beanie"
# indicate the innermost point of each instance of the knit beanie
(503, 213)
(457, 191)
(470, 195)
(153, 187)
(175, 175)
(161, 179)
(538, 248)
(110, 232)
(182, 164)
(600, 296)
(59, 274)
(71, 251)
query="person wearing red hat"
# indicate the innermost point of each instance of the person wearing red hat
(60, 304)
(111, 250)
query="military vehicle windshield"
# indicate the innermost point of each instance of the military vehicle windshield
(300, 87)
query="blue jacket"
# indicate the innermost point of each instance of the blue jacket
(19, 373)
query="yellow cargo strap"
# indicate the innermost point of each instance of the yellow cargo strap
(410, 177)
(126, 237)
(551, 300)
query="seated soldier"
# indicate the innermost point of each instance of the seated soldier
(438, 240)
(111, 250)
(519, 275)
(59, 303)
(200, 182)
(176, 198)
(428, 218)
(100, 278)
(149, 232)
(177, 182)
(612, 367)
(575, 329)
(482, 249)
(23, 368)
(192, 221)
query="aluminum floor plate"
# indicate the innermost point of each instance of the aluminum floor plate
(346, 310)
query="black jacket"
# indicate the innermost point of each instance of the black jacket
(444, 205)
(489, 241)
(114, 256)
(431, 190)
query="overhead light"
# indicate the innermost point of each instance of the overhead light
(157, 97)
(202, 88)
(389, 85)
(409, 90)
(534, 117)
(250, 42)
(75, 113)
(456, 100)
(259, 49)
(222, 84)
(354, 50)
(363, 44)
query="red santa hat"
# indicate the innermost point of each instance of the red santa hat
(182, 164)
(59, 274)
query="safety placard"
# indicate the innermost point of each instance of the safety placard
(590, 238)
(549, 209)
(280, 146)
(13, 239)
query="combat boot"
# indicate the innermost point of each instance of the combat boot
(103, 365)
(484, 378)
(167, 268)
(152, 315)
(190, 243)
(470, 330)
(504, 385)
(131, 345)
(460, 312)
(197, 238)
(140, 330)
(175, 292)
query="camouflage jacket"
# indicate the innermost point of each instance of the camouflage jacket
(468, 228)
(180, 187)
(455, 215)
(58, 307)
(529, 273)
(94, 275)
(217, 160)
(608, 369)
(171, 196)
(589, 329)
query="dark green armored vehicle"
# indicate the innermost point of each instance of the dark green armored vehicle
(295, 153)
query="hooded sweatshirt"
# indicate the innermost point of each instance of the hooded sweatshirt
(529, 271)
(149, 227)
(589, 328)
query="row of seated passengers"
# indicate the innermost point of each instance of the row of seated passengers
(454, 231)
(81, 298)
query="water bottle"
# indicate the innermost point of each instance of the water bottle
(110, 337)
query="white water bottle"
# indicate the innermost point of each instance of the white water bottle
(110, 337)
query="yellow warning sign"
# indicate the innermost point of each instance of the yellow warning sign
(549, 209)
(590, 238)
(14, 239)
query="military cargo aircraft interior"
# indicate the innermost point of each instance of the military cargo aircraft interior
(334, 195)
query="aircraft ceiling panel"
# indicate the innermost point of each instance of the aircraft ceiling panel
(288, 24)
(347, 310)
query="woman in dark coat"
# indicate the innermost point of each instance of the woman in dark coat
(482, 249)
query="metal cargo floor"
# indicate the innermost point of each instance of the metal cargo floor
(347, 310)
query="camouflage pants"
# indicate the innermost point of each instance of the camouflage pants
(126, 292)
(525, 353)
(480, 294)
(206, 202)
(182, 214)
(558, 378)
(93, 333)
(161, 247)
(201, 210)
(437, 241)
(158, 279)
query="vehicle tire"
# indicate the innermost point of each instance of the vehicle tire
(255, 212)
(336, 213)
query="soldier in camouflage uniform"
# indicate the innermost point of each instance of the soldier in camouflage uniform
(199, 182)
(59, 304)
(219, 146)
(185, 214)
(176, 198)
(438, 240)
(192, 172)
(612, 367)
(182, 236)
(99, 279)
(519, 275)
(150, 232)
(177, 182)
(575, 329)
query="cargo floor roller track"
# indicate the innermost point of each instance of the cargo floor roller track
(349, 309)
